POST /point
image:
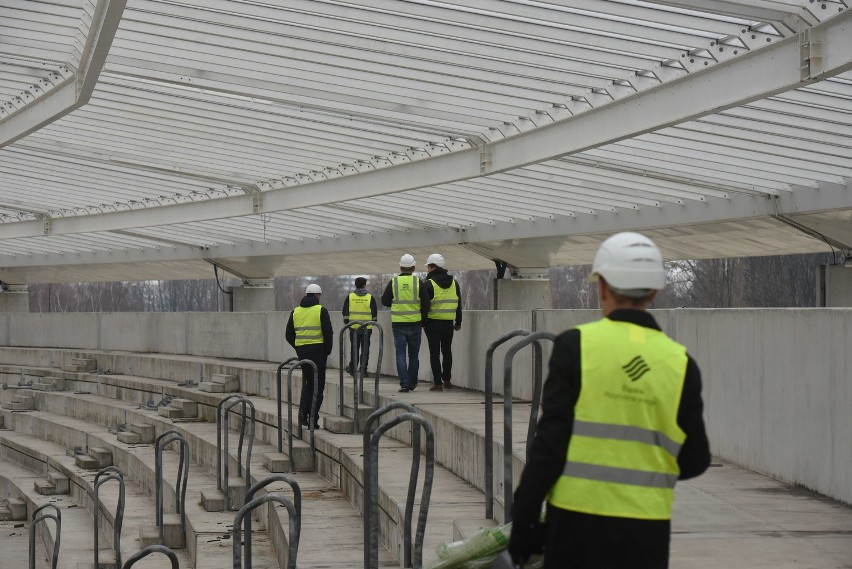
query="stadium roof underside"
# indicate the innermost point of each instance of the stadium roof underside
(145, 139)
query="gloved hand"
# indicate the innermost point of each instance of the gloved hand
(526, 539)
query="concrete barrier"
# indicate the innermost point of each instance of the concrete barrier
(777, 382)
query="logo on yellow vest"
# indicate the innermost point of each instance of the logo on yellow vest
(636, 368)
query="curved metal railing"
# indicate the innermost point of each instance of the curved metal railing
(489, 418)
(244, 515)
(371, 484)
(535, 339)
(290, 371)
(160, 443)
(153, 549)
(358, 378)
(219, 406)
(35, 520)
(297, 504)
(287, 362)
(246, 419)
(105, 475)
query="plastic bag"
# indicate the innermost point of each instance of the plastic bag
(478, 551)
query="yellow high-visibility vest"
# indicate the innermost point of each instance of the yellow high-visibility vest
(359, 309)
(445, 302)
(406, 299)
(622, 458)
(308, 325)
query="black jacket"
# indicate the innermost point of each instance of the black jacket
(325, 322)
(444, 280)
(360, 292)
(561, 391)
(387, 300)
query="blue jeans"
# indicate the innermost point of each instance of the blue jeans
(407, 338)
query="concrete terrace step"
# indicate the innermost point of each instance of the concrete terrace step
(137, 505)
(202, 443)
(137, 464)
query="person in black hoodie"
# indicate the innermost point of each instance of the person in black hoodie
(444, 317)
(309, 332)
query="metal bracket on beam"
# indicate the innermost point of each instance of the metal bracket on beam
(530, 274)
(257, 202)
(810, 54)
(257, 283)
(48, 225)
(485, 160)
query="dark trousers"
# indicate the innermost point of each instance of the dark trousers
(439, 335)
(359, 340)
(584, 541)
(319, 357)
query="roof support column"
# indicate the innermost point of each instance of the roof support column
(527, 289)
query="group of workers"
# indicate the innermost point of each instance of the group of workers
(433, 305)
(622, 412)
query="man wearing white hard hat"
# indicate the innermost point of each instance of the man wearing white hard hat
(409, 305)
(621, 423)
(444, 317)
(309, 332)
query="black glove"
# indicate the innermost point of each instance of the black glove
(526, 539)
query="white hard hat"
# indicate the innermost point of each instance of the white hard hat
(435, 259)
(313, 289)
(406, 261)
(629, 261)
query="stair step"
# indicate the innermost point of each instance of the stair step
(223, 378)
(18, 508)
(212, 500)
(340, 425)
(87, 364)
(5, 514)
(129, 438)
(170, 412)
(60, 482)
(86, 462)
(173, 535)
(145, 431)
(210, 387)
(102, 455)
(276, 462)
(45, 488)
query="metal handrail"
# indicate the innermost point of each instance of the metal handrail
(415, 468)
(297, 504)
(109, 473)
(489, 418)
(153, 549)
(36, 519)
(313, 411)
(219, 435)
(371, 495)
(295, 528)
(244, 402)
(288, 361)
(358, 379)
(161, 441)
(534, 339)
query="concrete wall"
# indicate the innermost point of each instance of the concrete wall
(777, 382)
(14, 302)
(834, 286)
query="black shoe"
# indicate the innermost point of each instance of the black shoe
(303, 421)
(412, 387)
(404, 390)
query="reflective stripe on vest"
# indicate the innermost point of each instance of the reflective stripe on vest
(445, 302)
(308, 325)
(406, 299)
(359, 309)
(622, 457)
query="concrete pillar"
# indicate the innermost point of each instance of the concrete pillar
(834, 286)
(14, 298)
(527, 289)
(254, 295)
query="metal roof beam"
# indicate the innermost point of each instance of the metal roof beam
(46, 107)
(764, 72)
(795, 17)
